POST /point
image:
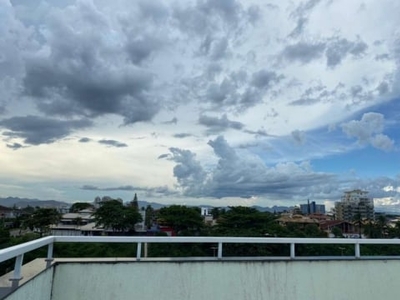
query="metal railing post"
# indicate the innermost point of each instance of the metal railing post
(138, 251)
(49, 258)
(219, 250)
(16, 277)
(357, 250)
(292, 251)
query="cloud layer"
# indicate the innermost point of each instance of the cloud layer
(249, 99)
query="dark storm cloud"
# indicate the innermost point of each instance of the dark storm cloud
(216, 124)
(83, 74)
(37, 130)
(113, 143)
(238, 175)
(340, 48)
(303, 52)
(141, 49)
(15, 146)
(84, 140)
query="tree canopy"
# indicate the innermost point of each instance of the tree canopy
(41, 219)
(113, 214)
(78, 206)
(182, 219)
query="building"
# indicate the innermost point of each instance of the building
(355, 204)
(312, 208)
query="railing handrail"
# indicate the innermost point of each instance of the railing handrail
(218, 239)
(23, 248)
(18, 251)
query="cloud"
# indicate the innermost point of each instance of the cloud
(263, 79)
(369, 130)
(174, 121)
(257, 133)
(216, 124)
(382, 142)
(84, 140)
(245, 175)
(188, 171)
(15, 146)
(304, 101)
(78, 72)
(149, 191)
(304, 52)
(299, 137)
(182, 135)
(163, 156)
(37, 130)
(339, 48)
(301, 14)
(113, 143)
(140, 49)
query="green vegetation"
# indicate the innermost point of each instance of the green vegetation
(41, 219)
(115, 215)
(78, 206)
(187, 221)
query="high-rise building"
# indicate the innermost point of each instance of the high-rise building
(355, 204)
(312, 208)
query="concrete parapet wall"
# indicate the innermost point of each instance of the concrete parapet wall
(37, 288)
(278, 280)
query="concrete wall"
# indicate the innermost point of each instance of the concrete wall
(328, 280)
(38, 288)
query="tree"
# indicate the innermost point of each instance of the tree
(78, 206)
(244, 221)
(184, 220)
(382, 225)
(150, 214)
(112, 214)
(41, 219)
(337, 232)
(359, 223)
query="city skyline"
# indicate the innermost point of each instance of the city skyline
(200, 102)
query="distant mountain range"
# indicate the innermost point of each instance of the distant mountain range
(24, 202)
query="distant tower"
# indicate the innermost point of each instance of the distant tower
(308, 207)
(135, 202)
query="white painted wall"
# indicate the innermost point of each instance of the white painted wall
(38, 288)
(308, 280)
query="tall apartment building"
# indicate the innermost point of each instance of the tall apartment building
(312, 208)
(353, 203)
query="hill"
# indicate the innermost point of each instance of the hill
(24, 202)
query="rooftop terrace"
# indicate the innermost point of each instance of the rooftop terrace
(218, 276)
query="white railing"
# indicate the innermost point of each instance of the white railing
(18, 251)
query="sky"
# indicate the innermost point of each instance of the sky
(200, 102)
